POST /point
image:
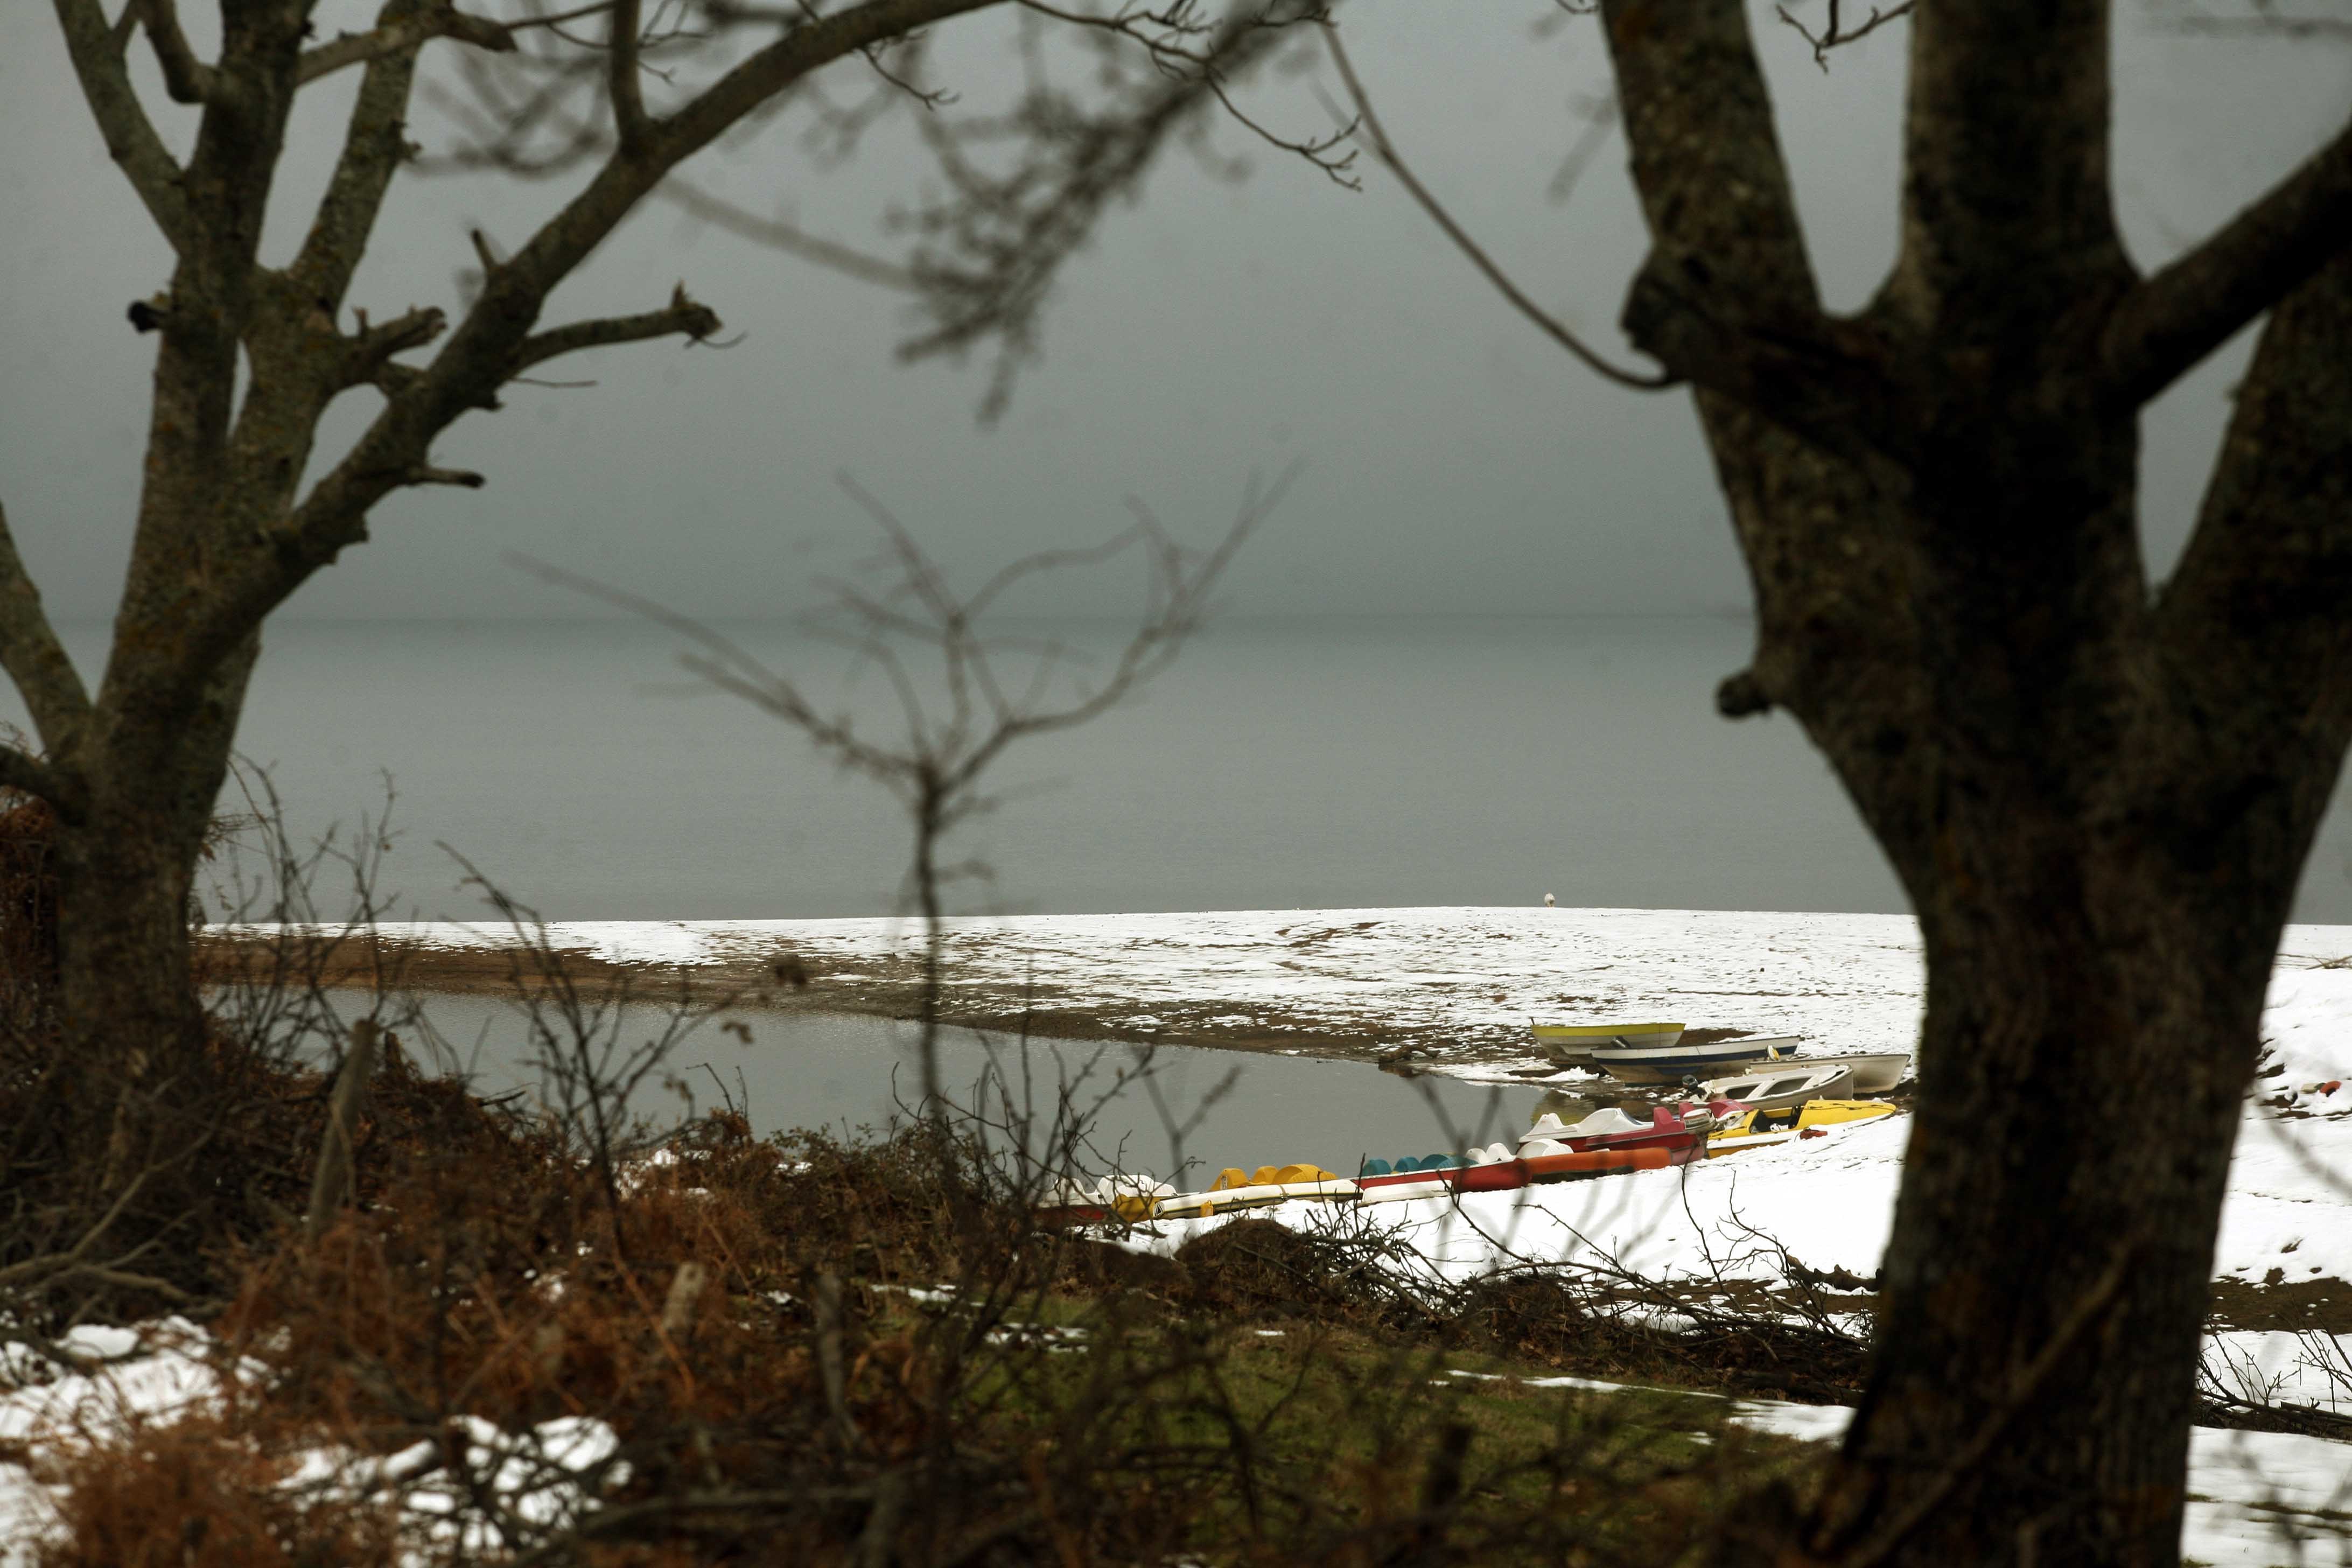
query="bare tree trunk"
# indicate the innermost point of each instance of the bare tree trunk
(133, 1025)
(2100, 805)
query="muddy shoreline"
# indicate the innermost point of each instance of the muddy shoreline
(791, 986)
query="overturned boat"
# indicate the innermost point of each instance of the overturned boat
(1676, 1062)
(1571, 1045)
(1785, 1085)
(1874, 1072)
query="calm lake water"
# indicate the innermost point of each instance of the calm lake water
(1278, 764)
(1200, 1108)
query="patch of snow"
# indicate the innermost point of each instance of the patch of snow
(2256, 1499)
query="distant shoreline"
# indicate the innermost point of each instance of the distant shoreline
(362, 963)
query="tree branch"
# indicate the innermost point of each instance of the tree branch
(1837, 35)
(187, 79)
(435, 19)
(782, 236)
(494, 341)
(25, 772)
(131, 138)
(1727, 298)
(681, 316)
(1386, 152)
(629, 121)
(2184, 313)
(31, 654)
(376, 143)
(2251, 629)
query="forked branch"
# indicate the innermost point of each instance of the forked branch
(2190, 308)
(1837, 35)
(187, 79)
(436, 19)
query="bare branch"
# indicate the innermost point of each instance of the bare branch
(439, 19)
(993, 245)
(681, 317)
(1837, 35)
(187, 79)
(494, 341)
(782, 235)
(629, 121)
(1386, 152)
(2185, 312)
(464, 478)
(376, 144)
(131, 138)
(31, 655)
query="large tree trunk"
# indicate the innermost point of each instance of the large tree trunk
(133, 1025)
(2100, 807)
(2098, 797)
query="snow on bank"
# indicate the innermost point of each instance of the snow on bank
(118, 1381)
(1460, 981)
(1456, 981)
(2256, 1499)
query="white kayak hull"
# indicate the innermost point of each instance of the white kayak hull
(1673, 1064)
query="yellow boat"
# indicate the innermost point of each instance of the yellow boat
(1266, 1186)
(1571, 1045)
(1753, 1129)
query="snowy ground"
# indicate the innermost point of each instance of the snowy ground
(1461, 982)
(2256, 1499)
(112, 1382)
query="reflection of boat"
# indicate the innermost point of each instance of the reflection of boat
(1752, 1129)
(1674, 1062)
(1874, 1072)
(1571, 1045)
(1784, 1084)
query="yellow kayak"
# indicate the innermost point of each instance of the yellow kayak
(1753, 1129)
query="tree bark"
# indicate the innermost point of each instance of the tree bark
(2099, 806)
(132, 1025)
(2098, 798)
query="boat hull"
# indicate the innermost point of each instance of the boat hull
(1672, 1064)
(1571, 1045)
(1874, 1072)
(1784, 1085)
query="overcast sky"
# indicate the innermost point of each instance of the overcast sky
(1456, 461)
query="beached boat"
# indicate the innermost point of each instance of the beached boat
(1753, 1129)
(1529, 1170)
(1874, 1072)
(1676, 1062)
(1610, 1128)
(1571, 1045)
(1261, 1188)
(1076, 1201)
(1784, 1085)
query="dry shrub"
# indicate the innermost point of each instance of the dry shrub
(1258, 1267)
(197, 1495)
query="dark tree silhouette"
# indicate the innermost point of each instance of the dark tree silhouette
(2098, 793)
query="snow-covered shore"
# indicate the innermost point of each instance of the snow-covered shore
(1459, 984)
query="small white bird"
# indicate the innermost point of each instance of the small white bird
(1549, 901)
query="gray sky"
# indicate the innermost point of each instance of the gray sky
(1458, 463)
